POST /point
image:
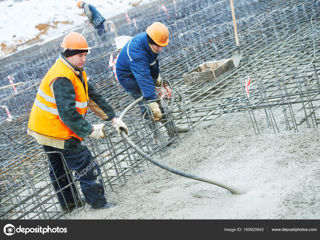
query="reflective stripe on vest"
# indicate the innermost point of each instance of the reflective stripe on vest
(52, 100)
(46, 108)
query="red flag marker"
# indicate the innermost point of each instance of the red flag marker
(9, 119)
(248, 82)
(164, 9)
(10, 77)
(127, 18)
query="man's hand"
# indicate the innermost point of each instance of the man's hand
(119, 125)
(155, 111)
(97, 131)
(159, 81)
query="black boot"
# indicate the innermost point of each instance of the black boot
(180, 129)
(72, 205)
(173, 129)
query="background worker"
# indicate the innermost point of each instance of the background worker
(57, 121)
(94, 16)
(137, 69)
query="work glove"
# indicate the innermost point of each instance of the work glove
(97, 131)
(164, 92)
(159, 81)
(155, 111)
(119, 125)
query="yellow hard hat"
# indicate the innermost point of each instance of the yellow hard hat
(79, 4)
(75, 41)
(159, 33)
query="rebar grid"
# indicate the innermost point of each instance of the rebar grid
(279, 40)
(285, 54)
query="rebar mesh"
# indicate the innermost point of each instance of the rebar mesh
(279, 41)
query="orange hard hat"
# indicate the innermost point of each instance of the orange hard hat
(75, 41)
(159, 33)
(79, 4)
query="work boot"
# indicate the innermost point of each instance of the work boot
(173, 129)
(105, 206)
(180, 129)
(70, 206)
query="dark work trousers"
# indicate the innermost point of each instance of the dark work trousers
(135, 95)
(86, 172)
(168, 124)
(101, 30)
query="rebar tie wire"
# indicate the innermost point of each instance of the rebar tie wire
(233, 190)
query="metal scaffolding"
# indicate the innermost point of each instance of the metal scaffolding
(276, 83)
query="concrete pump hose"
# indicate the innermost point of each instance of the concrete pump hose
(147, 157)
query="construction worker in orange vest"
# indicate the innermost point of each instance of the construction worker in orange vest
(57, 121)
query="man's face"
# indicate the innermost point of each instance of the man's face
(78, 60)
(155, 48)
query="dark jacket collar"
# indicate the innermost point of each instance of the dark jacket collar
(77, 71)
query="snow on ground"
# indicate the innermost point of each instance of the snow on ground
(279, 174)
(25, 22)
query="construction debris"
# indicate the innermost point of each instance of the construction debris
(209, 71)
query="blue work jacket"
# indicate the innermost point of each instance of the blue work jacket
(137, 67)
(94, 15)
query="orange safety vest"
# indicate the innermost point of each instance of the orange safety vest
(44, 117)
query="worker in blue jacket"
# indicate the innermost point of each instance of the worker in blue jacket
(94, 17)
(138, 68)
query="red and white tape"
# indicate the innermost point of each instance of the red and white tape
(9, 118)
(11, 78)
